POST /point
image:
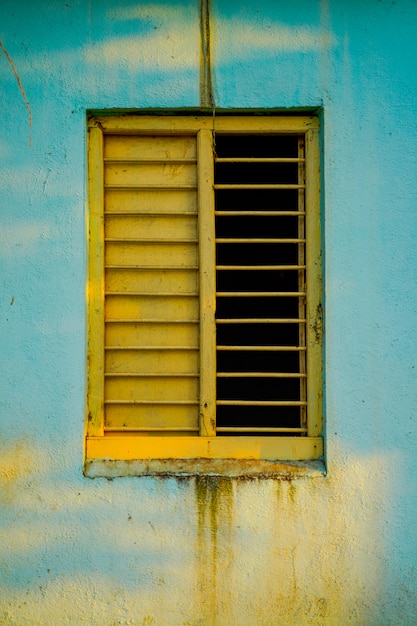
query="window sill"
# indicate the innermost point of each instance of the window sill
(227, 468)
(237, 457)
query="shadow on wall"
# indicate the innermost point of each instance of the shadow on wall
(92, 56)
(207, 550)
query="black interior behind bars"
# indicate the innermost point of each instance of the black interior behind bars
(255, 254)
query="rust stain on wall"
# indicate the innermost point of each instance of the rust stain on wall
(21, 88)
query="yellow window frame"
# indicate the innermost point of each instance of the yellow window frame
(207, 452)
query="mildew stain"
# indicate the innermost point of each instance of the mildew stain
(214, 500)
(21, 88)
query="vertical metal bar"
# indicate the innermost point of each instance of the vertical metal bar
(301, 283)
(207, 261)
(95, 285)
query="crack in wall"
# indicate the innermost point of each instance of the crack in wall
(21, 88)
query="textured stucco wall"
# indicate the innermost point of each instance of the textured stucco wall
(334, 550)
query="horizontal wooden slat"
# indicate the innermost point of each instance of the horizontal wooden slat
(145, 160)
(143, 147)
(152, 294)
(165, 361)
(151, 416)
(151, 174)
(151, 321)
(178, 281)
(150, 253)
(124, 434)
(141, 389)
(152, 268)
(150, 347)
(153, 375)
(166, 430)
(165, 334)
(159, 227)
(166, 186)
(150, 240)
(172, 308)
(151, 200)
(152, 402)
(154, 213)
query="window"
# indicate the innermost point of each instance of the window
(204, 291)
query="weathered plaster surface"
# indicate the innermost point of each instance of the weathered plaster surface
(334, 550)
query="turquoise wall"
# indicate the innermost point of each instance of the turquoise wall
(334, 550)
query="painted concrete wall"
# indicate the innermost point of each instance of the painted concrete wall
(334, 550)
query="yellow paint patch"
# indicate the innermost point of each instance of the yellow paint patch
(16, 462)
(244, 40)
(168, 51)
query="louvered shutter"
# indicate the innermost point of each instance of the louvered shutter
(151, 285)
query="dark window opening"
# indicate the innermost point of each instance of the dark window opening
(260, 282)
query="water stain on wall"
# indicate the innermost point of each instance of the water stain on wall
(214, 502)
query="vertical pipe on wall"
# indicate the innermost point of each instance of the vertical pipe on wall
(206, 94)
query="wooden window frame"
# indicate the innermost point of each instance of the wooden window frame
(112, 455)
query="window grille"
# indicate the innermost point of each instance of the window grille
(261, 277)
